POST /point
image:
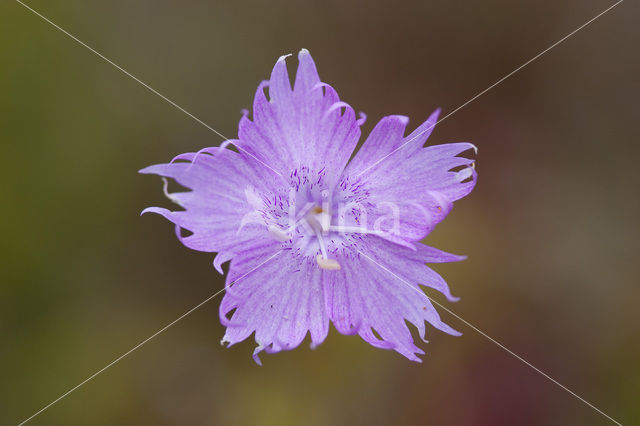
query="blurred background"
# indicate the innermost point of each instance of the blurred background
(551, 230)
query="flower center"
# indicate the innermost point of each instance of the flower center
(317, 219)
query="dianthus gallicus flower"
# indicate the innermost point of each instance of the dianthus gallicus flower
(313, 237)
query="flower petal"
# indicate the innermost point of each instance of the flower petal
(280, 301)
(304, 126)
(217, 206)
(376, 292)
(419, 184)
(386, 136)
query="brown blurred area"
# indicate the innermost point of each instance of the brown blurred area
(551, 230)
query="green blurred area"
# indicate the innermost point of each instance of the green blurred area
(551, 230)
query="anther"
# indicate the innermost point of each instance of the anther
(328, 264)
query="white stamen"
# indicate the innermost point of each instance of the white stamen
(328, 264)
(278, 233)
